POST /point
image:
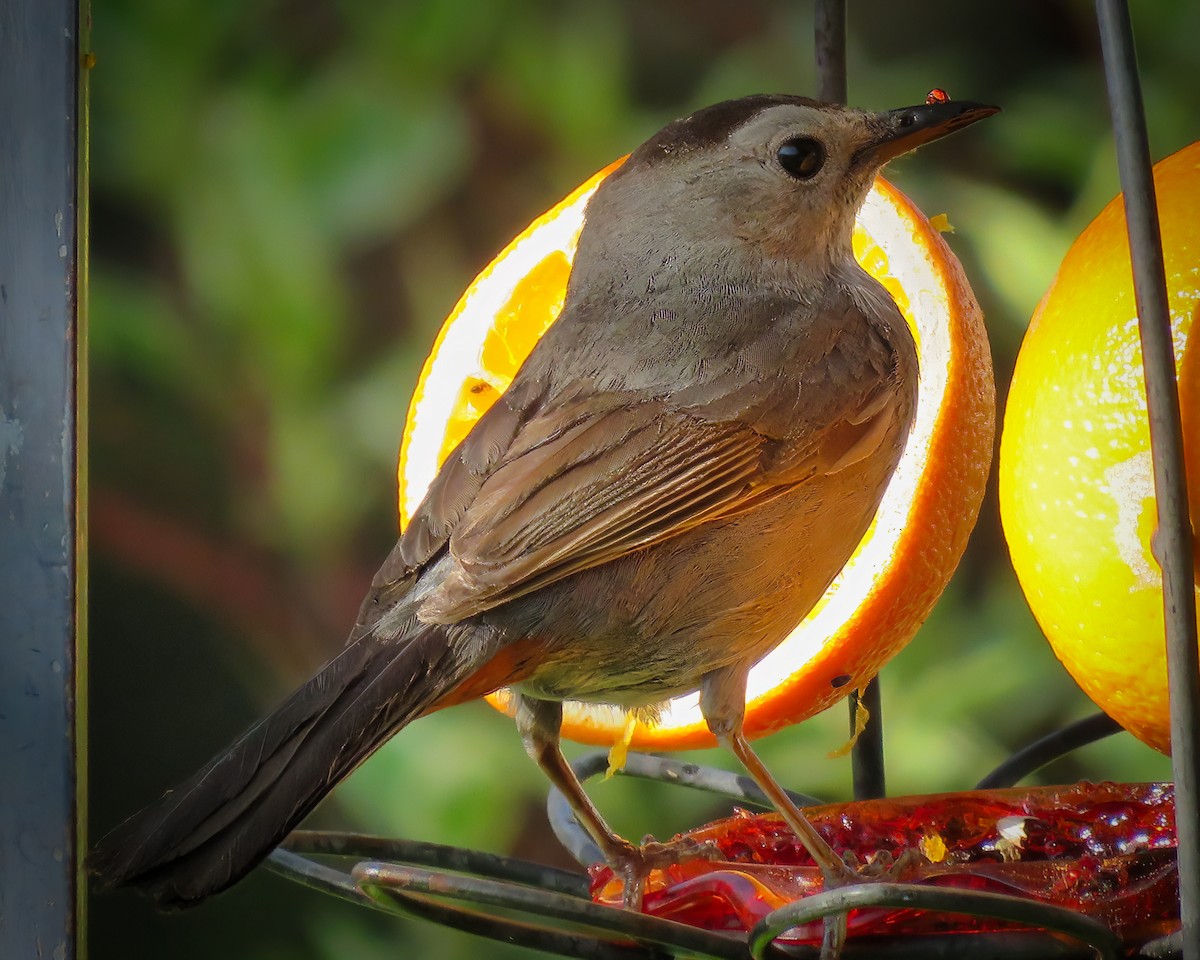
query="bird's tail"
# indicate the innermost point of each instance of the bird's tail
(209, 832)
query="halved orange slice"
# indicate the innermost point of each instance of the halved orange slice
(905, 560)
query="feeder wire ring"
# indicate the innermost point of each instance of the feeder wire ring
(506, 882)
(976, 903)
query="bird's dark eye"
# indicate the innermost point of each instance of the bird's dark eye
(802, 157)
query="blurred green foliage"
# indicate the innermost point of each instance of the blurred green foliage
(289, 196)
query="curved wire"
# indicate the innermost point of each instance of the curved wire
(315, 876)
(907, 896)
(496, 866)
(387, 881)
(1060, 742)
(498, 881)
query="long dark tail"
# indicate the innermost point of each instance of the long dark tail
(208, 833)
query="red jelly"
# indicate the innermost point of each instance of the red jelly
(1106, 850)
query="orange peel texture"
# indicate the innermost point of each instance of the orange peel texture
(1076, 485)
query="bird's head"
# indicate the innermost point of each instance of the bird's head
(759, 183)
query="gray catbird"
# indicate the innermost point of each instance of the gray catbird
(685, 461)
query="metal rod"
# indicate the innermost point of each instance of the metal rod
(866, 757)
(1173, 536)
(829, 34)
(41, 344)
(977, 903)
(325, 879)
(439, 856)
(390, 881)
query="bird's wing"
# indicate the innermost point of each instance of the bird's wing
(582, 486)
(446, 501)
(546, 487)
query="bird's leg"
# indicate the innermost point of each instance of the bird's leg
(539, 722)
(832, 866)
(833, 869)
(723, 704)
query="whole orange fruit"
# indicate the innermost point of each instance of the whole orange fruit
(1076, 487)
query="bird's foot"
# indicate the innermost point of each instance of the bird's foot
(879, 867)
(841, 873)
(882, 866)
(633, 863)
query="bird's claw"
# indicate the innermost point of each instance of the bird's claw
(634, 863)
(879, 867)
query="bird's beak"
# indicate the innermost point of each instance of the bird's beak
(899, 131)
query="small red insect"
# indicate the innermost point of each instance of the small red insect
(937, 95)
